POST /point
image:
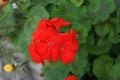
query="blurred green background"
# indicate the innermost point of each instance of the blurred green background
(97, 23)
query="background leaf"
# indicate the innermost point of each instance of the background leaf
(54, 73)
(101, 9)
(103, 29)
(114, 72)
(80, 64)
(102, 66)
(7, 19)
(98, 47)
(78, 3)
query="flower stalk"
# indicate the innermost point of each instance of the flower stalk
(23, 11)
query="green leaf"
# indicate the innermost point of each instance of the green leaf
(71, 13)
(114, 37)
(101, 46)
(24, 3)
(80, 63)
(36, 14)
(45, 2)
(93, 6)
(54, 74)
(60, 65)
(101, 10)
(114, 72)
(78, 3)
(82, 32)
(6, 13)
(102, 66)
(7, 8)
(7, 19)
(54, 1)
(115, 49)
(77, 16)
(103, 29)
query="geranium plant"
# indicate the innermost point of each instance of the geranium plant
(72, 39)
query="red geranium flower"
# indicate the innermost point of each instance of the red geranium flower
(70, 77)
(48, 44)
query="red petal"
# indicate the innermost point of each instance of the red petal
(44, 27)
(35, 36)
(64, 37)
(70, 78)
(41, 25)
(55, 53)
(67, 56)
(72, 35)
(59, 22)
(47, 35)
(33, 54)
(73, 46)
(40, 28)
(47, 55)
(42, 49)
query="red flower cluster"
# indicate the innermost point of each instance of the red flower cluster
(2, 3)
(49, 44)
(4, 0)
(70, 77)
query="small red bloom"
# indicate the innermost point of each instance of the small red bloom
(69, 47)
(4, 0)
(48, 44)
(70, 77)
(2, 3)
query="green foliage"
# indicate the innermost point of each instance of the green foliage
(78, 67)
(6, 19)
(102, 30)
(114, 72)
(102, 66)
(99, 10)
(55, 74)
(97, 46)
(97, 23)
(80, 64)
(78, 3)
(55, 71)
(107, 68)
(24, 3)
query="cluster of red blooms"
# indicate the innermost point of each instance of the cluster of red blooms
(50, 44)
(2, 3)
(70, 77)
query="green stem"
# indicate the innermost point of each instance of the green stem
(24, 63)
(11, 26)
(24, 12)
